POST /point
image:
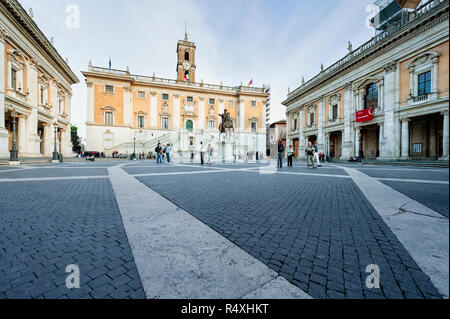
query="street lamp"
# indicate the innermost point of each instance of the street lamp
(55, 158)
(134, 152)
(14, 159)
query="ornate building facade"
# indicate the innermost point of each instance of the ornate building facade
(388, 99)
(126, 111)
(35, 87)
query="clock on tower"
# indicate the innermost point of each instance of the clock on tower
(186, 60)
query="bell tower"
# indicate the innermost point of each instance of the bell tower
(186, 60)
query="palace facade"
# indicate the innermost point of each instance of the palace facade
(389, 98)
(127, 111)
(35, 88)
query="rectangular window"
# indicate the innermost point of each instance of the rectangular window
(295, 125)
(14, 79)
(254, 127)
(165, 123)
(212, 101)
(424, 86)
(141, 122)
(61, 106)
(335, 112)
(165, 97)
(212, 125)
(109, 118)
(141, 94)
(253, 103)
(42, 95)
(312, 119)
(417, 148)
(109, 89)
(190, 99)
(230, 103)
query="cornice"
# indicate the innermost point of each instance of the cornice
(397, 38)
(23, 19)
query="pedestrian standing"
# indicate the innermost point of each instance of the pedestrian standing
(202, 153)
(280, 154)
(210, 152)
(309, 151)
(167, 150)
(290, 155)
(316, 154)
(158, 151)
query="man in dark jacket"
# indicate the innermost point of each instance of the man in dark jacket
(158, 151)
(280, 154)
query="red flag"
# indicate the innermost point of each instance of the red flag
(250, 83)
(364, 115)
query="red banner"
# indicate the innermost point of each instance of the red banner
(364, 115)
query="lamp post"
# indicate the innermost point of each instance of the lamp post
(14, 159)
(55, 158)
(134, 149)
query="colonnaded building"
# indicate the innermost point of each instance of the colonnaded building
(387, 99)
(35, 87)
(126, 111)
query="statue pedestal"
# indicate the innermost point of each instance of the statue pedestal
(227, 152)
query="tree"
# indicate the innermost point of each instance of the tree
(76, 147)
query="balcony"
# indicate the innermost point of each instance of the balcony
(420, 99)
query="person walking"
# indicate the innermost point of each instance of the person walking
(202, 153)
(158, 151)
(316, 154)
(309, 151)
(167, 150)
(280, 154)
(210, 152)
(290, 155)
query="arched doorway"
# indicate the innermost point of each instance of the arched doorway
(189, 126)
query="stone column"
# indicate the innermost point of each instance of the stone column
(405, 139)
(288, 128)
(48, 139)
(327, 144)
(381, 95)
(128, 107)
(357, 141)
(241, 115)
(33, 140)
(381, 140)
(90, 103)
(445, 144)
(434, 78)
(153, 110)
(301, 142)
(320, 131)
(4, 136)
(176, 112)
(391, 125)
(347, 144)
(201, 114)
(21, 135)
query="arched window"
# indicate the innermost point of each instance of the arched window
(189, 126)
(371, 98)
(186, 56)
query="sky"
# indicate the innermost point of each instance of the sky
(272, 42)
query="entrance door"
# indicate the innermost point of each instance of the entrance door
(189, 126)
(296, 145)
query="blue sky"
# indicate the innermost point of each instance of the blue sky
(272, 42)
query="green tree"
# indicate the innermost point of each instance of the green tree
(76, 147)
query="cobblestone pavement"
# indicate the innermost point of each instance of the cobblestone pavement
(45, 226)
(313, 227)
(320, 233)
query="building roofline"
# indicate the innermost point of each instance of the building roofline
(122, 75)
(422, 15)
